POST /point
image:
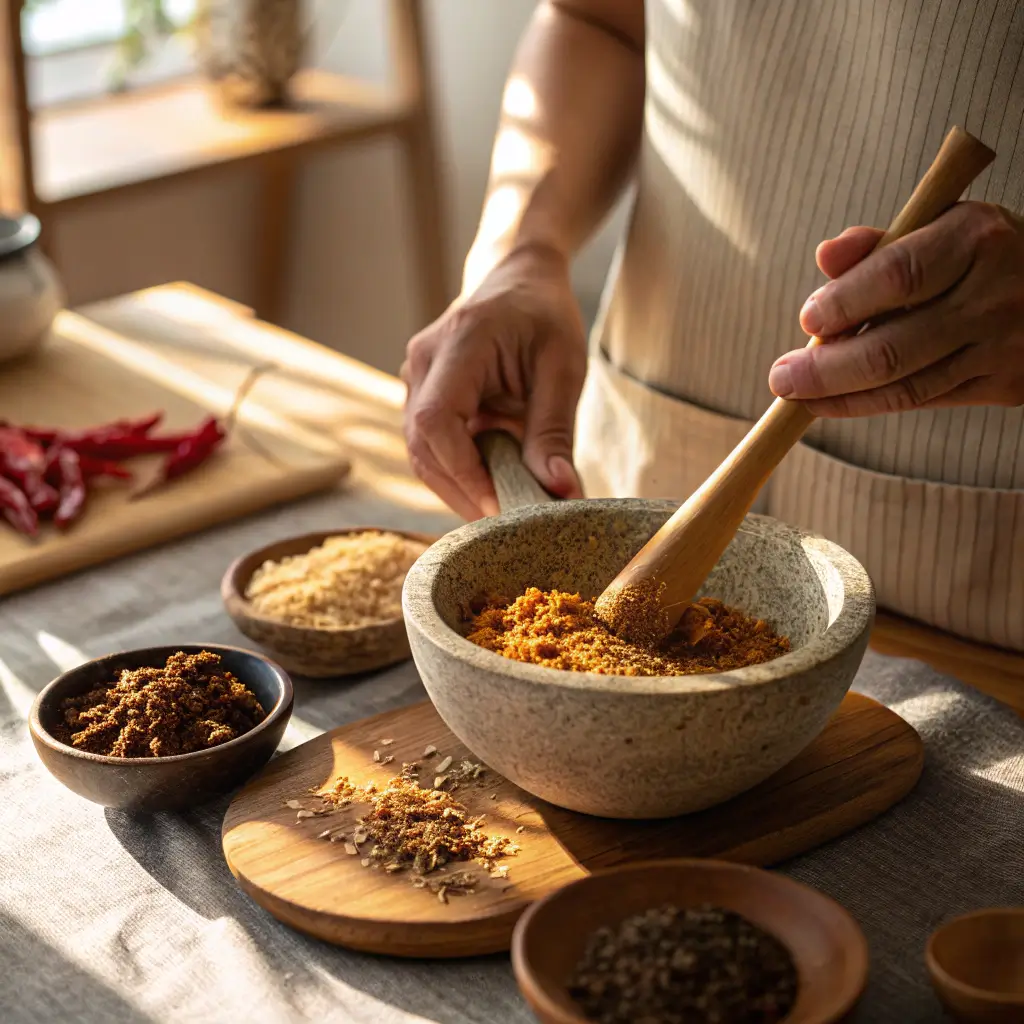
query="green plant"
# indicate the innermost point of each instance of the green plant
(146, 23)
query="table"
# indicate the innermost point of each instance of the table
(111, 917)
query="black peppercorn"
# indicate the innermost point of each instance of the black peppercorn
(693, 966)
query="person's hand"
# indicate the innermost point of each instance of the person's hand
(511, 355)
(954, 292)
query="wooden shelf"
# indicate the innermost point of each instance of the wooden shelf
(63, 157)
(174, 130)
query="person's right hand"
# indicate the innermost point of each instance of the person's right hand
(512, 355)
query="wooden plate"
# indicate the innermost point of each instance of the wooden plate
(866, 759)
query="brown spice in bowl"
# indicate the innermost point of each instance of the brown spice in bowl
(351, 580)
(562, 631)
(673, 966)
(189, 704)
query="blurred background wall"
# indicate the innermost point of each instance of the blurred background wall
(350, 279)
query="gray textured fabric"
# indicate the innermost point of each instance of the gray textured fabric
(108, 917)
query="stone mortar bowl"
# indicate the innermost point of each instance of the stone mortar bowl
(620, 746)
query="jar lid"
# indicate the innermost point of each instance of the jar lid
(18, 234)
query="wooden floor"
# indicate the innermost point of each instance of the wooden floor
(994, 671)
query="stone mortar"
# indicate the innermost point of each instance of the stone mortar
(629, 747)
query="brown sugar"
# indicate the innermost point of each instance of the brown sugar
(189, 704)
(560, 630)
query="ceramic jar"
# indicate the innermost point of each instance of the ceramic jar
(30, 292)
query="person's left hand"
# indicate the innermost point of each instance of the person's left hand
(954, 292)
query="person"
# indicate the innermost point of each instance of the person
(749, 132)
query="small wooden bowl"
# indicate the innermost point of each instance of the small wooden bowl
(977, 965)
(827, 946)
(162, 783)
(319, 653)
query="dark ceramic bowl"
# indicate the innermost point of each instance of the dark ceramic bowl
(162, 783)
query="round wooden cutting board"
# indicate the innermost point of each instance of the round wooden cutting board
(866, 760)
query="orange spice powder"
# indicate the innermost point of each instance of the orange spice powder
(560, 630)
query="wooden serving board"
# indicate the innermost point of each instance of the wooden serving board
(866, 759)
(89, 373)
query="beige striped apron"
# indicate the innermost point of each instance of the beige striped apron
(770, 125)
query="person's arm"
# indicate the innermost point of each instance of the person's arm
(511, 351)
(572, 113)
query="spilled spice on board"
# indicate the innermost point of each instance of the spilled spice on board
(673, 966)
(419, 830)
(562, 631)
(189, 704)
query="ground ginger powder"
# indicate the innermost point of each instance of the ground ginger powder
(560, 630)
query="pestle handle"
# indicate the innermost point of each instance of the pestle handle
(514, 484)
(665, 575)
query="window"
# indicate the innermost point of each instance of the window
(71, 48)
(57, 26)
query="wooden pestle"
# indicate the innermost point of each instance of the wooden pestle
(645, 601)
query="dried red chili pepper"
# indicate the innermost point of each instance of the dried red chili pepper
(17, 509)
(44, 499)
(192, 451)
(24, 461)
(93, 467)
(72, 487)
(94, 435)
(123, 446)
(118, 445)
(195, 448)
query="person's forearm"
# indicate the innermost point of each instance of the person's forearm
(570, 127)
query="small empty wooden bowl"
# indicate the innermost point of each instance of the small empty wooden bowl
(316, 652)
(977, 965)
(162, 783)
(827, 946)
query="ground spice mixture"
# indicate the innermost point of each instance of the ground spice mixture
(672, 966)
(562, 631)
(353, 579)
(189, 704)
(634, 612)
(409, 828)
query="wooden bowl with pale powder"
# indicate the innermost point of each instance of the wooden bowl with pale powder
(326, 604)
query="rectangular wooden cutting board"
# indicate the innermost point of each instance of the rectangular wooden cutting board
(98, 367)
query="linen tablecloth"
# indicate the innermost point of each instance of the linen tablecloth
(110, 917)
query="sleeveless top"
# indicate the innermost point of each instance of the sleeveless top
(770, 125)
